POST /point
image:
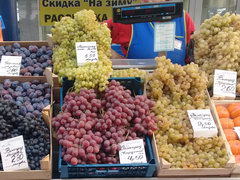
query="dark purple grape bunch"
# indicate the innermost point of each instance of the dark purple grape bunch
(35, 132)
(34, 59)
(32, 97)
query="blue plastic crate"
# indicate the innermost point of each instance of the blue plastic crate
(132, 83)
(109, 170)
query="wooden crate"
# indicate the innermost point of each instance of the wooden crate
(236, 170)
(38, 44)
(164, 170)
(45, 163)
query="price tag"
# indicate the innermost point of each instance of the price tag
(237, 130)
(86, 52)
(13, 154)
(132, 152)
(177, 44)
(202, 123)
(10, 65)
(225, 84)
(164, 36)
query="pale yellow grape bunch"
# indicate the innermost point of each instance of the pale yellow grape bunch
(83, 28)
(91, 74)
(217, 44)
(132, 72)
(176, 89)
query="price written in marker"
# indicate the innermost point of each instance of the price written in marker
(225, 84)
(86, 52)
(202, 123)
(132, 152)
(10, 65)
(13, 154)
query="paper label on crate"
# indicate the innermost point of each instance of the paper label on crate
(202, 123)
(237, 130)
(13, 154)
(224, 83)
(132, 152)
(164, 36)
(10, 65)
(86, 52)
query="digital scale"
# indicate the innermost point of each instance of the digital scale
(148, 12)
(145, 12)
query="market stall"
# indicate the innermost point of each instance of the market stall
(69, 111)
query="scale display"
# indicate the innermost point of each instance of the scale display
(148, 12)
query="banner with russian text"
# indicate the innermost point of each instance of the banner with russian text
(53, 10)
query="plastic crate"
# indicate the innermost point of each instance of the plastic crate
(109, 170)
(131, 83)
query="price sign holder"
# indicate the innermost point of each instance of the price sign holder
(202, 123)
(237, 130)
(164, 36)
(224, 84)
(132, 152)
(13, 154)
(86, 52)
(10, 65)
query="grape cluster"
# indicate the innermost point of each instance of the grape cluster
(91, 127)
(176, 89)
(131, 72)
(32, 97)
(34, 131)
(83, 28)
(34, 59)
(217, 44)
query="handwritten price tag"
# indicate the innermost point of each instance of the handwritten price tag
(225, 84)
(202, 123)
(86, 52)
(237, 130)
(10, 65)
(132, 152)
(13, 154)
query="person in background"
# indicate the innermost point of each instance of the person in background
(1, 25)
(137, 39)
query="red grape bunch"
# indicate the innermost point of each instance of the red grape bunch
(90, 128)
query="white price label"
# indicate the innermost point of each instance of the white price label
(164, 36)
(202, 123)
(13, 154)
(178, 44)
(237, 130)
(224, 84)
(10, 65)
(86, 52)
(132, 152)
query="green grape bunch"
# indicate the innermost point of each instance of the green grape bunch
(131, 72)
(82, 28)
(217, 44)
(176, 89)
